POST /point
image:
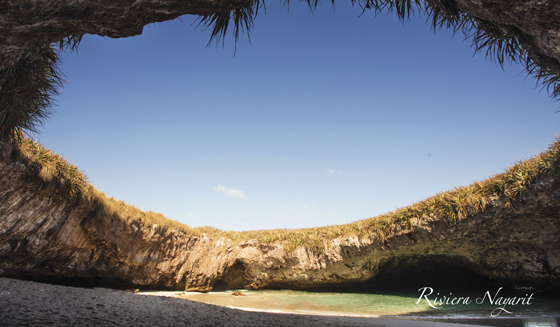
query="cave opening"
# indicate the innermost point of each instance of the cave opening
(234, 277)
(442, 273)
(406, 275)
(220, 285)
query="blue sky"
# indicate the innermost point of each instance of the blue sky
(325, 118)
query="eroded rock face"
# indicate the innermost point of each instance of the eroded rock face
(26, 24)
(43, 233)
(30, 23)
(539, 19)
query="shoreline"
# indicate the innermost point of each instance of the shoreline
(415, 321)
(521, 321)
(26, 303)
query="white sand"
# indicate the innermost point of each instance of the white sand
(25, 303)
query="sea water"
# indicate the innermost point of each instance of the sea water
(495, 303)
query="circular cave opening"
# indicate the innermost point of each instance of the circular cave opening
(411, 274)
(220, 286)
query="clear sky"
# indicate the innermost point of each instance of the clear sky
(325, 118)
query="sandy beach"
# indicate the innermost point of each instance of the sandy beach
(25, 303)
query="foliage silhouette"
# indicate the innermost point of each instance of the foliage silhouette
(27, 88)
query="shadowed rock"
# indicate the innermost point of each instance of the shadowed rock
(44, 234)
(26, 24)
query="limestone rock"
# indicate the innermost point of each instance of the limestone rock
(539, 19)
(46, 234)
(26, 24)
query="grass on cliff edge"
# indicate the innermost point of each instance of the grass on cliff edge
(510, 188)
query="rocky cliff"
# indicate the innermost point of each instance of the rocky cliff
(26, 24)
(538, 20)
(45, 233)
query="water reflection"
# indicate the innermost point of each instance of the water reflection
(376, 305)
(543, 322)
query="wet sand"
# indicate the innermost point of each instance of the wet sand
(24, 303)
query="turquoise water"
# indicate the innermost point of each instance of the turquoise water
(405, 305)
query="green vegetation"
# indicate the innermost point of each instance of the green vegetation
(510, 187)
(56, 172)
(26, 91)
(28, 85)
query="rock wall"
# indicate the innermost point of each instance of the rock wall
(44, 233)
(26, 24)
(539, 19)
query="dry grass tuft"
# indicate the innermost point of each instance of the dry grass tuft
(509, 188)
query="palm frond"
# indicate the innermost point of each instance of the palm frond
(27, 88)
(243, 21)
(499, 42)
(70, 42)
(502, 43)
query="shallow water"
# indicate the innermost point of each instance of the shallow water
(405, 305)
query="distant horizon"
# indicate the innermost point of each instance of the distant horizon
(324, 119)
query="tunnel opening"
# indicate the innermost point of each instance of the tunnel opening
(235, 277)
(406, 275)
(220, 285)
(442, 273)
